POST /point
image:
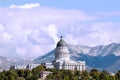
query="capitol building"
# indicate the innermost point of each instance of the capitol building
(62, 59)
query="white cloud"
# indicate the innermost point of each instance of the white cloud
(36, 31)
(108, 32)
(1, 28)
(25, 6)
(7, 36)
(52, 31)
(21, 51)
(36, 50)
(40, 37)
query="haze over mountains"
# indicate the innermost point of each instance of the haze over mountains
(103, 57)
(6, 62)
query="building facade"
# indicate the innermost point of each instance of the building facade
(24, 66)
(61, 61)
(62, 58)
(43, 74)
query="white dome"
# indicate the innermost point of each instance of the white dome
(62, 52)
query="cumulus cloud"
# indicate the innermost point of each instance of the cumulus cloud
(35, 31)
(25, 6)
(1, 28)
(21, 51)
(52, 31)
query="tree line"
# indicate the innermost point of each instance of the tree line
(94, 74)
(62, 74)
(23, 74)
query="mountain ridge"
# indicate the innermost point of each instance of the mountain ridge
(97, 57)
(103, 57)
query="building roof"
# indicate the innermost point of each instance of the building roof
(61, 42)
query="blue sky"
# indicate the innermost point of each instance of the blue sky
(34, 26)
(85, 5)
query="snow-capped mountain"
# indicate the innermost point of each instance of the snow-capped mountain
(105, 57)
(6, 62)
(3, 63)
(104, 50)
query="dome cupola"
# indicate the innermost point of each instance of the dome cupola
(61, 51)
(61, 42)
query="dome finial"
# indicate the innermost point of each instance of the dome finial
(61, 37)
(61, 42)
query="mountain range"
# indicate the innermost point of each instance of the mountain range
(103, 57)
(6, 62)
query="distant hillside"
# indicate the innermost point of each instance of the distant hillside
(6, 62)
(104, 57)
(3, 63)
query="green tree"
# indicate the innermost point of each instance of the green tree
(27, 74)
(84, 76)
(112, 77)
(66, 78)
(2, 75)
(104, 75)
(10, 77)
(20, 73)
(117, 75)
(95, 74)
(13, 73)
(37, 70)
(34, 77)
